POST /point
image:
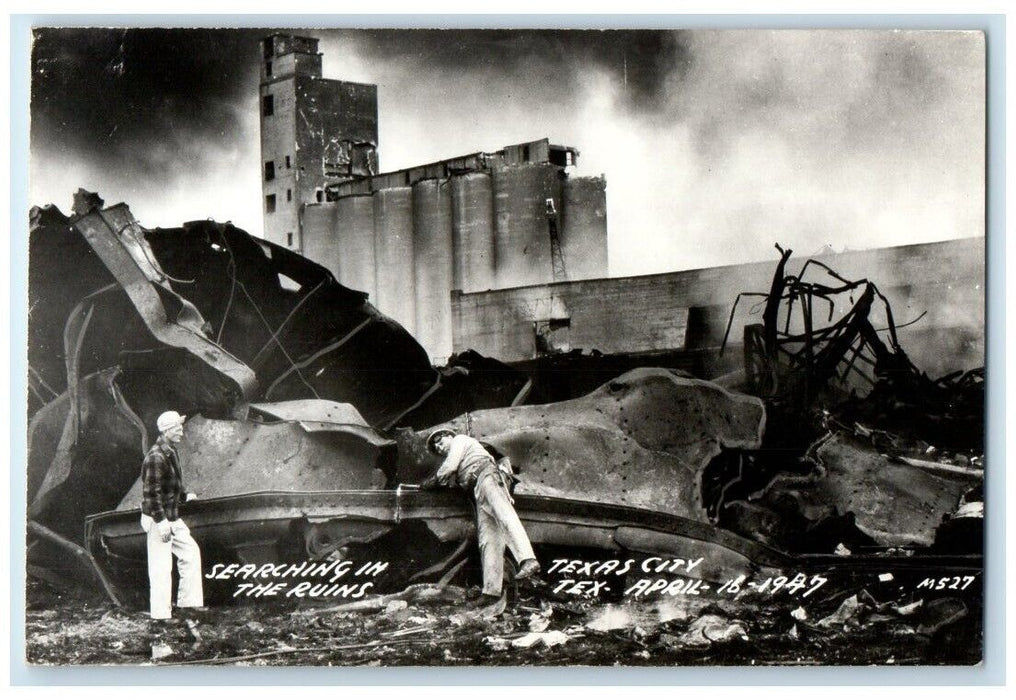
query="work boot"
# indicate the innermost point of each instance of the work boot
(527, 569)
(477, 598)
(487, 599)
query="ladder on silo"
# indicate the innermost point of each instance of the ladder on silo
(556, 257)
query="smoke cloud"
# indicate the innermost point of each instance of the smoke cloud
(714, 143)
(165, 120)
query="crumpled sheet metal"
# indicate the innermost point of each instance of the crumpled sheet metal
(319, 415)
(896, 504)
(181, 319)
(323, 341)
(225, 458)
(73, 466)
(225, 296)
(127, 318)
(120, 243)
(641, 440)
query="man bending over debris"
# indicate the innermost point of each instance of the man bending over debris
(468, 465)
(167, 533)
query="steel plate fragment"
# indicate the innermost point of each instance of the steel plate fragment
(642, 440)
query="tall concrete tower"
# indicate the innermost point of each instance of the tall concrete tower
(315, 133)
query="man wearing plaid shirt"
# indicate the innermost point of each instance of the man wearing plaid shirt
(168, 535)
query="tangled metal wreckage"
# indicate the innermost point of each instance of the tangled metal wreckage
(309, 409)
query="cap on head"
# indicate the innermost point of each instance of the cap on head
(168, 420)
(437, 435)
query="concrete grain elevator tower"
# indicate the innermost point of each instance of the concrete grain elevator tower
(315, 132)
(409, 238)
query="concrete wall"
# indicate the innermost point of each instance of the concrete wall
(329, 110)
(463, 232)
(278, 140)
(531, 152)
(472, 231)
(340, 236)
(310, 116)
(689, 309)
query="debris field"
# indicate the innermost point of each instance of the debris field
(830, 456)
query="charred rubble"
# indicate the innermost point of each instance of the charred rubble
(295, 386)
(309, 409)
(125, 321)
(862, 450)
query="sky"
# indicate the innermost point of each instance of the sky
(716, 144)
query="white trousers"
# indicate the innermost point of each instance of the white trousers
(160, 568)
(498, 525)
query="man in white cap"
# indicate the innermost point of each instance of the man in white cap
(168, 535)
(468, 465)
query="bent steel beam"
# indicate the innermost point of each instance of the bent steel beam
(120, 244)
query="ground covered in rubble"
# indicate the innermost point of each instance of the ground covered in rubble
(845, 628)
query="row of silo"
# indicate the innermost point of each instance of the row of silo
(340, 236)
(409, 246)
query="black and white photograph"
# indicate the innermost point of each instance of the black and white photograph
(490, 347)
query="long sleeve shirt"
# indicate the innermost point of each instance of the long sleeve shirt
(465, 458)
(162, 482)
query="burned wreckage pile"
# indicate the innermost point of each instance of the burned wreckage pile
(887, 456)
(308, 412)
